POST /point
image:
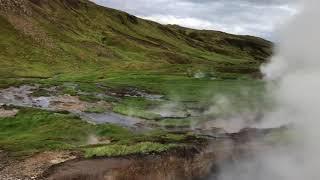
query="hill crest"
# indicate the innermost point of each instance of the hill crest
(46, 37)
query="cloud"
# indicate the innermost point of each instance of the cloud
(205, 24)
(186, 21)
(253, 17)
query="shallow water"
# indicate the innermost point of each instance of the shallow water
(22, 96)
(113, 118)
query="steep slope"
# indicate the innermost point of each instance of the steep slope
(40, 38)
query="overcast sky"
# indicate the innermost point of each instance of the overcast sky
(250, 17)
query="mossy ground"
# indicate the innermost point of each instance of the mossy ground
(33, 131)
(122, 150)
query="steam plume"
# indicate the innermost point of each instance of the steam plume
(294, 75)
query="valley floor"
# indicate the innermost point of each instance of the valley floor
(44, 122)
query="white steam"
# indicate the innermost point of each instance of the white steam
(294, 78)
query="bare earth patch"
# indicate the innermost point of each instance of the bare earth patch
(68, 103)
(8, 113)
(33, 167)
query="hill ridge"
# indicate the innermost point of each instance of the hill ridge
(47, 37)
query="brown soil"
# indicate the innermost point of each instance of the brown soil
(68, 103)
(31, 167)
(184, 163)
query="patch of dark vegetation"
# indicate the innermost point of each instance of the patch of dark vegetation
(237, 70)
(175, 58)
(40, 92)
(250, 134)
(126, 92)
(167, 30)
(127, 18)
(140, 41)
(37, 2)
(72, 3)
(132, 19)
(257, 49)
(163, 43)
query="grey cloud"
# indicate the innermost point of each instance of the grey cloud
(265, 2)
(254, 17)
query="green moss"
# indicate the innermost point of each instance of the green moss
(96, 110)
(138, 107)
(33, 131)
(69, 90)
(41, 92)
(182, 88)
(37, 130)
(122, 150)
(113, 131)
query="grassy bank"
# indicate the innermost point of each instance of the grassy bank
(122, 150)
(32, 131)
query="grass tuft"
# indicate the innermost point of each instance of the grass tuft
(122, 150)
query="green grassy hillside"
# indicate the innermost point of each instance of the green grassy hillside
(43, 38)
(82, 49)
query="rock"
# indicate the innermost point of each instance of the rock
(8, 113)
